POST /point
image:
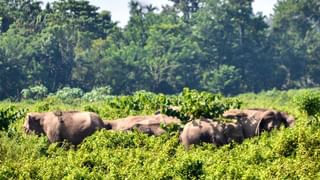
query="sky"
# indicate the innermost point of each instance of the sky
(120, 8)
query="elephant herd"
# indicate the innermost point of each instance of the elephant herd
(74, 126)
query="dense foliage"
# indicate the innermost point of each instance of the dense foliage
(282, 154)
(212, 45)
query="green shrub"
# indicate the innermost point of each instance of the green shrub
(140, 102)
(101, 93)
(46, 105)
(191, 104)
(68, 93)
(309, 102)
(194, 104)
(191, 169)
(10, 115)
(35, 92)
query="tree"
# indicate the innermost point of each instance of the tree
(14, 56)
(172, 60)
(295, 34)
(229, 33)
(22, 13)
(187, 7)
(225, 79)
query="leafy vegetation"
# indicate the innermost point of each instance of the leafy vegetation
(309, 103)
(280, 154)
(68, 93)
(192, 104)
(35, 92)
(209, 45)
(101, 93)
(9, 115)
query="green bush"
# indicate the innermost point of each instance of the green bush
(191, 169)
(68, 93)
(191, 104)
(194, 104)
(35, 92)
(309, 102)
(140, 102)
(10, 115)
(98, 94)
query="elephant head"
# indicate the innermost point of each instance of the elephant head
(33, 123)
(289, 120)
(254, 121)
(271, 119)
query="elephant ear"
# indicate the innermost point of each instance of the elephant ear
(259, 127)
(265, 118)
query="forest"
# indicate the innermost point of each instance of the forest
(209, 45)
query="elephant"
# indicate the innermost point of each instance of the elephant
(209, 131)
(254, 121)
(150, 124)
(233, 131)
(72, 126)
(123, 124)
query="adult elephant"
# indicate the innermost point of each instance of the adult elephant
(209, 131)
(254, 121)
(149, 124)
(123, 124)
(72, 126)
(152, 124)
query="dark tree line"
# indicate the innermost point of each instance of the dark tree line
(213, 45)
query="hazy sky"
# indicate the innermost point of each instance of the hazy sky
(120, 11)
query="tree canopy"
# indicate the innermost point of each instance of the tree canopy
(213, 45)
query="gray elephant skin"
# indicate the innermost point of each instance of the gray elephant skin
(254, 121)
(149, 124)
(72, 126)
(214, 132)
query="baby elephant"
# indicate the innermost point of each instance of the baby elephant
(209, 131)
(72, 126)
